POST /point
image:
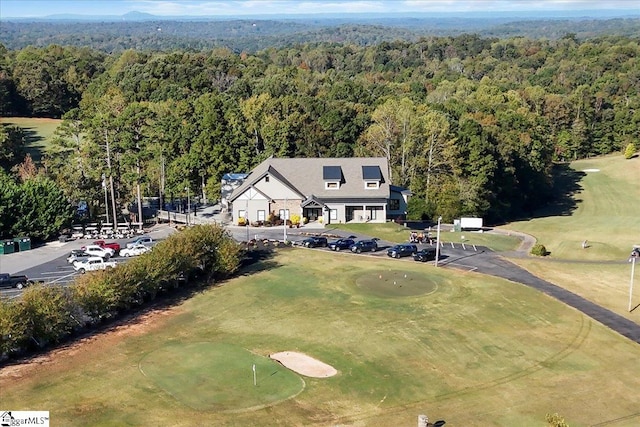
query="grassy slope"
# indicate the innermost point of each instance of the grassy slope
(606, 214)
(478, 351)
(39, 132)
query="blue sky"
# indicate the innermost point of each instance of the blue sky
(37, 8)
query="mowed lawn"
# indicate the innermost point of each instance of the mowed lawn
(606, 214)
(39, 132)
(470, 349)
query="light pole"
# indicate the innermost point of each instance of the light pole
(633, 268)
(285, 220)
(188, 206)
(438, 241)
(246, 217)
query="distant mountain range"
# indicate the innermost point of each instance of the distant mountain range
(351, 17)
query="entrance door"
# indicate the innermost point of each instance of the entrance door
(312, 214)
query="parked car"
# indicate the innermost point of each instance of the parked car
(142, 240)
(341, 244)
(315, 241)
(364, 246)
(635, 253)
(96, 250)
(94, 263)
(77, 255)
(405, 249)
(113, 245)
(9, 281)
(134, 251)
(424, 255)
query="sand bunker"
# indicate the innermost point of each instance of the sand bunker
(304, 365)
(590, 170)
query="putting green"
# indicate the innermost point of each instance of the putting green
(395, 283)
(219, 377)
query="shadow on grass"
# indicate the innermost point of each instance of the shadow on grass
(33, 143)
(561, 201)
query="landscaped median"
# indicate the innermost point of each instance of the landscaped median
(45, 314)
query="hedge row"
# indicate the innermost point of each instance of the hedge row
(47, 314)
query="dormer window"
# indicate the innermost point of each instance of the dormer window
(332, 176)
(331, 185)
(372, 177)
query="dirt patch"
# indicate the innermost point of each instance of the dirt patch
(304, 365)
(82, 349)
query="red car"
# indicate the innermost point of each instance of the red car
(113, 245)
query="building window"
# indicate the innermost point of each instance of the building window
(333, 214)
(331, 185)
(394, 204)
(372, 185)
(284, 214)
(242, 214)
(261, 216)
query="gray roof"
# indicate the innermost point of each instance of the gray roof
(305, 175)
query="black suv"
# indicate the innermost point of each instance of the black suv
(314, 242)
(398, 251)
(364, 246)
(341, 244)
(424, 255)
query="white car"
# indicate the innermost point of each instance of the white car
(142, 240)
(93, 264)
(134, 251)
(95, 250)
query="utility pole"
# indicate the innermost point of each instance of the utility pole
(113, 194)
(140, 219)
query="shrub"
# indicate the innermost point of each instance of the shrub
(241, 221)
(48, 314)
(539, 250)
(295, 219)
(629, 151)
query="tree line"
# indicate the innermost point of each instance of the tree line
(471, 125)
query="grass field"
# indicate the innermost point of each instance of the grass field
(406, 338)
(606, 213)
(39, 132)
(466, 348)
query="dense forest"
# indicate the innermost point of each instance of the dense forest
(148, 32)
(471, 125)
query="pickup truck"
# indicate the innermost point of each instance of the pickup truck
(94, 263)
(112, 245)
(9, 281)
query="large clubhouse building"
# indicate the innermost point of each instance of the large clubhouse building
(322, 190)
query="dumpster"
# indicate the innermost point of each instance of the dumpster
(6, 247)
(23, 243)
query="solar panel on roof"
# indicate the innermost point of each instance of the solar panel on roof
(371, 172)
(331, 173)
